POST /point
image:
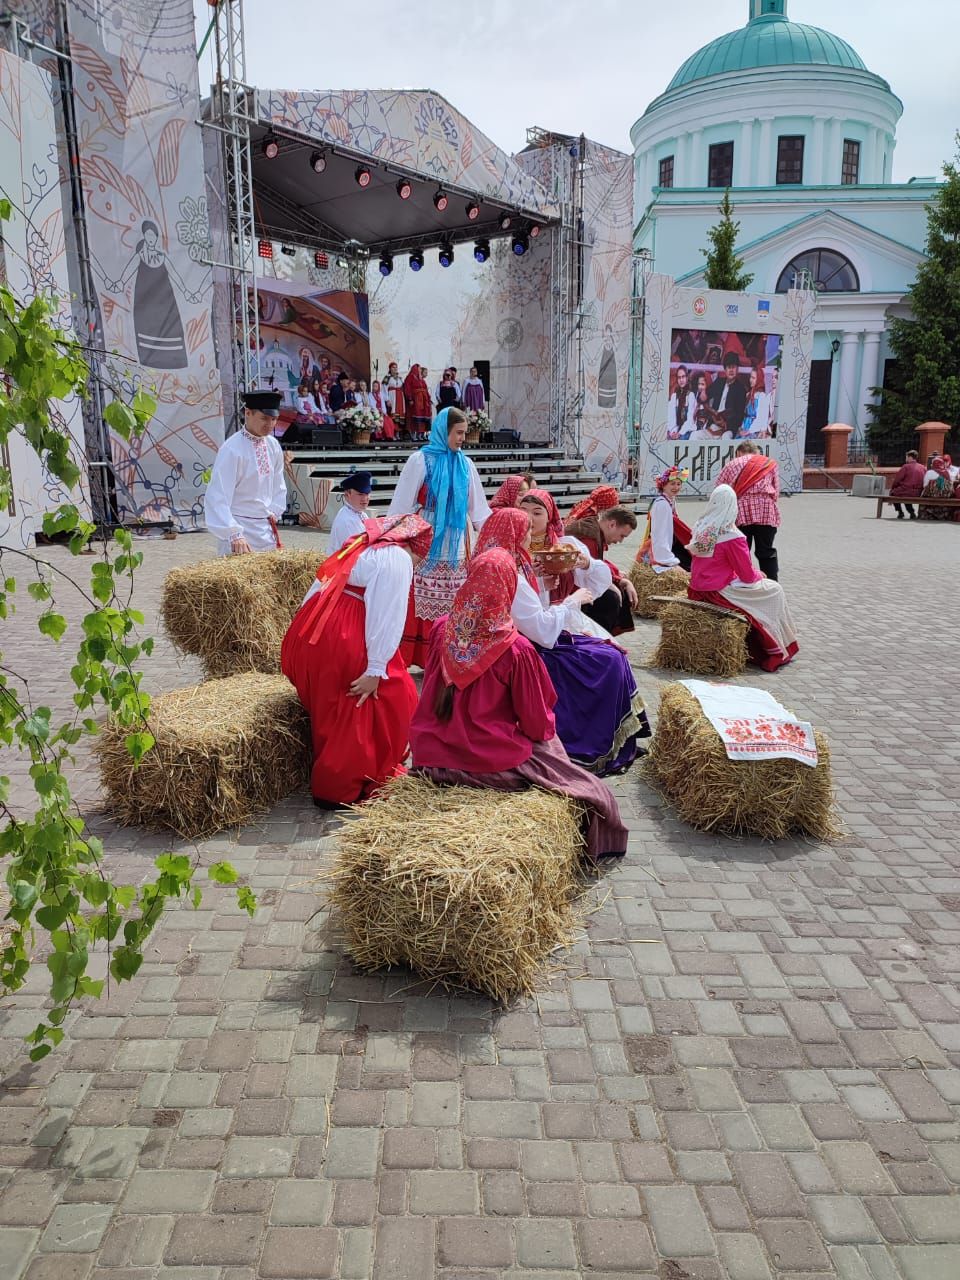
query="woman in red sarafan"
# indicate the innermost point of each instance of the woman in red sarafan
(354, 685)
(722, 573)
(419, 407)
(486, 718)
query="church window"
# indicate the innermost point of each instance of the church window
(720, 165)
(828, 270)
(850, 169)
(790, 160)
(666, 171)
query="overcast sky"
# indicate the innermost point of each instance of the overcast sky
(587, 66)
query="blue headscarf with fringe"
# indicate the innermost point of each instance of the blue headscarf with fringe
(448, 488)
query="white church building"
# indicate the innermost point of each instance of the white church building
(789, 117)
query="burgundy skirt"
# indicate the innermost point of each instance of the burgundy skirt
(550, 768)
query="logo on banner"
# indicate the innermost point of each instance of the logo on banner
(732, 308)
(699, 306)
(763, 309)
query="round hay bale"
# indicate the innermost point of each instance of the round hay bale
(766, 798)
(701, 641)
(233, 612)
(672, 582)
(225, 751)
(463, 885)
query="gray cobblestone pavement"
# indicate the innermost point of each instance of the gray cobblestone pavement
(749, 1067)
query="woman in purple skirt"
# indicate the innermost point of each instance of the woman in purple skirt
(599, 711)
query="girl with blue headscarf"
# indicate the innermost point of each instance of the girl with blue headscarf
(440, 483)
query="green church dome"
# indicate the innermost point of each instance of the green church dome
(768, 40)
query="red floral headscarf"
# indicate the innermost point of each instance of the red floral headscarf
(508, 494)
(601, 499)
(386, 531)
(479, 627)
(506, 529)
(554, 523)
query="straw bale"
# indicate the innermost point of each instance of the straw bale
(225, 751)
(233, 612)
(765, 798)
(701, 641)
(463, 885)
(672, 582)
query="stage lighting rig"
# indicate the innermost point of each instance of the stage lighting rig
(362, 176)
(265, 249)
(472, 211)
(321, 260)
(288, 251)
(520, 244)
(504, 222)
(386, 264)
(446, 254)
(318, 162)
(404, 188)
(270, 146)
(440, 200)
(481, 250)
(416, 260)
(534, 230)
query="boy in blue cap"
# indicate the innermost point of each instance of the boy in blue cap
(349, 520)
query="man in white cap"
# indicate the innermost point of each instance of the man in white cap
(247, 493)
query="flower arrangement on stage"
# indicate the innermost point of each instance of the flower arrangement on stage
(478, 420)
(360, 421)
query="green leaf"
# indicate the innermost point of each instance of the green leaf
(222, 873)
(40, 1051)
(39, 590)
(52, 624)
(125, 963)
(6, 209)
(246, 899)
(51, 918)
(24, 893)
(138, 744)
(120, 418)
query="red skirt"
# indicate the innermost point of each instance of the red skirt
(763, 649)
(355, 749)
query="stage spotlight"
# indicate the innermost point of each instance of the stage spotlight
(404, 189)
(286, 250)
(416, 260)
(362, 176)
(520, 244)
(265, 249)
(440, 200)
(534, 230)
(386, 264)
(321, 261)
(270, 147)
(318, 162)
(472, 211)
(342, 262)
(504, 222)
(446, 254)
(481, 250)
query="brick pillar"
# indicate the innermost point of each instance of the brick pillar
(932, 436)
(836, 438)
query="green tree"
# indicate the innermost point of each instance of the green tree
(724, 269)
(56, 880)
(925, 383)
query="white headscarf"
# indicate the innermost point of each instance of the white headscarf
(718, 523)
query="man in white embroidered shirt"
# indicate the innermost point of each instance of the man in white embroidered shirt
(247, 493)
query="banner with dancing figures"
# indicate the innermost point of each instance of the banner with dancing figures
(719, 368)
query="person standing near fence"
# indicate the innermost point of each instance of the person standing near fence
(755, 479)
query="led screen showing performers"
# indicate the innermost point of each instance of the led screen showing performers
(723, 386)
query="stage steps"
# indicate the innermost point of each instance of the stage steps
(565, 478)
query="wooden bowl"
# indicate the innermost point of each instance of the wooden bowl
(554, 560)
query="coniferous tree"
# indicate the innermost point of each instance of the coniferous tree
(925, 383)
(724, 269)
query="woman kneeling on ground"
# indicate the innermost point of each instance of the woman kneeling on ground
(599, 711)
(722, 573)
(485, 717)
(355, 685)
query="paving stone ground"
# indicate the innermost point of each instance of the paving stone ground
(748, 1068)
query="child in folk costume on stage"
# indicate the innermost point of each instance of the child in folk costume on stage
(351, 519)
(664, 543)
(440, 482)
(485, 717)
(599, 712)
(722, 573)
(341, 654)
(247, 494)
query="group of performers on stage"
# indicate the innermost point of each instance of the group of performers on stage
(524, 682)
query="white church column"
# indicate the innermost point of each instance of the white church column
(847, 400)
(834, 153)
(764, 153)
(813, 174)
(869, 378)
(697, 160)
(743, 156)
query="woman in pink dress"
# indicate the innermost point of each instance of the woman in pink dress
(485, 717)
(378, 398)
(722, 573)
